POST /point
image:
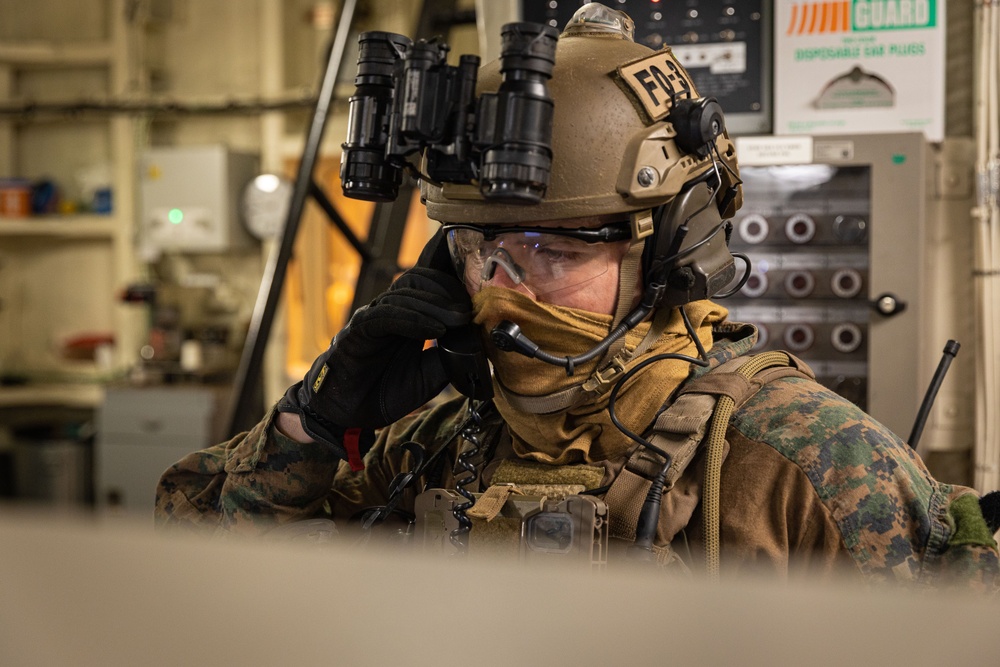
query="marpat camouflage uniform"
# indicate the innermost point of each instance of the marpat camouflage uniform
(811, 485)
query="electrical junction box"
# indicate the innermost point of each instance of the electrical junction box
(863, 283)
(725, 45)
(189, 199)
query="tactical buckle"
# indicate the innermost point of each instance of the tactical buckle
(642, 224)
(601, 379)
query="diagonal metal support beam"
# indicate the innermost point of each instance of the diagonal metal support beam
(385, 234)
(245, 403)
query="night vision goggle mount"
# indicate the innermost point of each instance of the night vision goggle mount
(409, 101)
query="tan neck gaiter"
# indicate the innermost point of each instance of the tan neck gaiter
(583, 433)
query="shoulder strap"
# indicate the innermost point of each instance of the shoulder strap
(741, 378)
(699, 414)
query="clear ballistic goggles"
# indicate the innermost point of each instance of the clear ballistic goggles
(542, 260)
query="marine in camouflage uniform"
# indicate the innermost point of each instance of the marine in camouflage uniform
(811, 485)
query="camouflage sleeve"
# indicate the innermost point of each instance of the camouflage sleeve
(248, 484)
(262, 478)
(896, 522)
(429, 430)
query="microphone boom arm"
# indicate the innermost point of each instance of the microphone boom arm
(507, 335)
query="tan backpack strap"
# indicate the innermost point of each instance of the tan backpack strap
(736, 381)
(678, 431)
(623, 510)
(700, 414)
(717, 447)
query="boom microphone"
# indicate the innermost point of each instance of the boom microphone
(508, 337)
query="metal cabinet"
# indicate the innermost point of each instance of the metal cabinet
(142, 431)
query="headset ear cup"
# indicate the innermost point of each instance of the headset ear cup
(703, 271)
(652, 250)
(669, 218)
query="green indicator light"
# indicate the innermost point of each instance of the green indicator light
(175, 216)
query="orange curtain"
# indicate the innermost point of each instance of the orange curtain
(323, 271)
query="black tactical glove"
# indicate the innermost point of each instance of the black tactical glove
(376, 369)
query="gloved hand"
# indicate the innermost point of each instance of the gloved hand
(376, 370)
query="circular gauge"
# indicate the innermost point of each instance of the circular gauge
(799, 337)
(265, 205)
(846, 337)
(800, 228)
(799, 284)
(846, 283)
(753, 228)
(755, 286)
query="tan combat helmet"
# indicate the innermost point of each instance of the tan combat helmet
(616, 146)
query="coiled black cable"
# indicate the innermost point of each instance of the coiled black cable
(466, 474)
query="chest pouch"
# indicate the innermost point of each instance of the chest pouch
(532, 512)
(536, 512)
(508, 523)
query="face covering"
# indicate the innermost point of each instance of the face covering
(583, 432)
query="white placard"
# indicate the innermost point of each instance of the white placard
(765, 151)
(859, 66)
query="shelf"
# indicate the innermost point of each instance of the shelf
(62, 270)
(47, 54)
(70, 395)
(70, 226)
